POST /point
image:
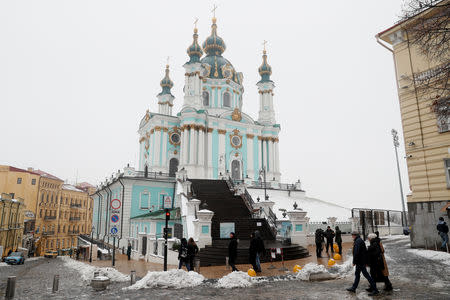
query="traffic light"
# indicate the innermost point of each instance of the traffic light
(167, 215)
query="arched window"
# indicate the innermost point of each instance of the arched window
(226, 99)
(205, 96)
(173, 167)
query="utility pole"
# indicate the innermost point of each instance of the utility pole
(396, 145)
(166, 233)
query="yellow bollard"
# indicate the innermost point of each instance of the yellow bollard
(331, 262)
(297, 268)
(336, 247)
(251, 273)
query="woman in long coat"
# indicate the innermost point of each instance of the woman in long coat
(377, 262)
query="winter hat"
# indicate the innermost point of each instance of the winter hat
(355, 233)
(372, 236)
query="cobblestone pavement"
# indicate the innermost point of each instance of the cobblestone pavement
(413, 277)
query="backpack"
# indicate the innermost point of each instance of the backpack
(444, 228)
(183, 252)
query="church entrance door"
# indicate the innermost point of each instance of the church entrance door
(236, 170)
(173, 167)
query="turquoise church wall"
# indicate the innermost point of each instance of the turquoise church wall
(155, 193)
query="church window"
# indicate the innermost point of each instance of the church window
(175, 138)
(226, 99)
(205, 96)
(236, 141)
(145, 200)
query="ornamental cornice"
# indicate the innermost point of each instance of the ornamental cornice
(250, 136)
(152, 131)
(165, 129)
(158, 128)
(210, 130)
(221, 131)
(166, 102)
(141, 139)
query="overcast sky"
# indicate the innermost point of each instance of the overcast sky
(76, 77)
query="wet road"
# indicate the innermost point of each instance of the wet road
(413, 277)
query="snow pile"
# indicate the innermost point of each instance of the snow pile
(343, 269)
(442, 257)
(310, 268)
(2, 264)
(235, 279)
(175, 278)
(87, 271)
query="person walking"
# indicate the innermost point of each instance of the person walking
(360, 261)
(442, 229)
(129, 251)
(232, 252)
(319, 240)
(183, 255)
(338, 239)
(384, 274)
(252, 251)
(192, 253)
(329, 234)
(260, 251)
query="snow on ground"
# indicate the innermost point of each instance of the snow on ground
(33, 258)
(3, 264)
(234, 280)
(395, 237)
(175, 278)
(318, 210)
(342, 270)
(310, 268)
(87, 271)
(442, 257)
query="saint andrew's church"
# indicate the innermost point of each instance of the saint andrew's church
(211, 136)
(210, 165)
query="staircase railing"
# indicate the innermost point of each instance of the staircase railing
(245, 196)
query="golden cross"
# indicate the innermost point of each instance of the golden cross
(264, 44)
(195, 22)
(214, 10)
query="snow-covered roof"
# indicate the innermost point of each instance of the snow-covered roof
(317, 210)
(47, 175)
(70, 187)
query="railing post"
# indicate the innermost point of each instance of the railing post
(10, 287)
(55, 283)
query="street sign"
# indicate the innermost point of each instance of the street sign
(167, 202)
(114, 230)
(115, 204)
(115, 218)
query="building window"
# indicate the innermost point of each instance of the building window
(226, 99)
(447, 171)
(145, 200)
(19, 180)
(205, 96)
(33, 181)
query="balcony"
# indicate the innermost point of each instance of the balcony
(49, 218)
(74, 205)
(73, 232)
(48, 233)
(74, 219)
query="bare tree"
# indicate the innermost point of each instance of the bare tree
(430, 33)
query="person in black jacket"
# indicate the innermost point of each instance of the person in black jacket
(377, 263)
(192, 252)
(261, 251)
(252, 251)
(183, 255)
(319, 241)
(329, 234)
(232, 251)
(442, 229)
(360, 261)
(338, 239)
(129, 251)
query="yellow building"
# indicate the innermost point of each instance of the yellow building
(22, 184)
(426, 130)
(11, 223)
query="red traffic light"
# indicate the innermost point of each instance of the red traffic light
(167, 214)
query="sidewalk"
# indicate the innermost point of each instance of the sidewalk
(125, 266)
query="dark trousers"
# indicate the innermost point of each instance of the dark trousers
(362, 269)
(387, 283)
(340, 247)
(186, 263)
(252, 260)
(330, 243)
(319, 249)
(232, 265)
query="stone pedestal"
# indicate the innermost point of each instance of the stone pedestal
(203, 227)
(332, 222)
(264, 207)
(298, 221)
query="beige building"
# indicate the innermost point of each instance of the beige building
(426, 130)
(11, 223)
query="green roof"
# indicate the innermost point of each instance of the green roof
(160, 215)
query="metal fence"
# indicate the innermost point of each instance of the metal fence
(386, 222)
(345, 227)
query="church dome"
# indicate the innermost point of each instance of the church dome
(195, 51)
(265, 70)
(166, 83)
(214, 44)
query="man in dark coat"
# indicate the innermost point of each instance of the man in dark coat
(442, 229)
(377, 262)
(319, 240)
(360, 261)
(232, 252)
(252, 251)
(261, 250)
(129, 251)
(338, 239)
(329, 234)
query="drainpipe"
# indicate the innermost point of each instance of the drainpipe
(123, 199)
(108, 201)
(100, 198)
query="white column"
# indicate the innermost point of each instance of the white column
(157, 146)
(191, 145)
(222, 165)
(264, 145)
(182, 147)
(186, 145)
(250, 171)
(272, 158)
(164, 149)
(196, 144)
(259, 155)
(277, 157)
(201, 147)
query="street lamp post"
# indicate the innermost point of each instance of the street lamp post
(263, 173)
(396, 145)
(92, 238)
